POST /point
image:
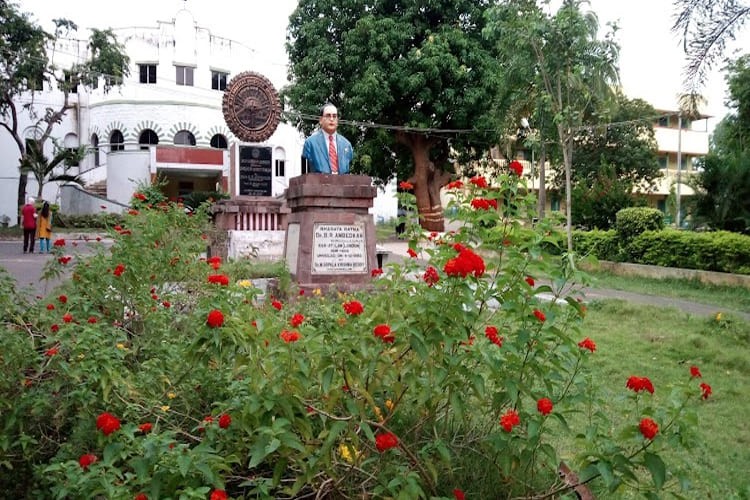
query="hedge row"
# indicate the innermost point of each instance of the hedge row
(720, 251)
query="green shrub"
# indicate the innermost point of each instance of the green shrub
(166, 375)
(604, 245)
(720, 251)
(196, 198)
(88, 221)
(632, 221)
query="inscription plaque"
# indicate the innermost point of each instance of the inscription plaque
(255, 171)
(339, 249)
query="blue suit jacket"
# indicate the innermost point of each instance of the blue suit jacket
(316, 152)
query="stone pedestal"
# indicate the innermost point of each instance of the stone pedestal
(330, 236)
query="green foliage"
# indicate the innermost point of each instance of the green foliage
(196, 198)
(604, 245)
(711, 251)
(630, 222)
(51, 170)
(88, 221)
(291, 396)
(597, 202)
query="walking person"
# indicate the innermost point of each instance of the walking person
(28, 221)
(44, 228)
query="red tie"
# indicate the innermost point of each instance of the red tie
(333, 156)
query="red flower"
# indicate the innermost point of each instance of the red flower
(385, 441)
(59, 243)
(215, 260)
(92, 320)
(219, 279)
(296, 320)
(483, 204)
(107, 423)
(166, 304)
(219, 495)
(695, 372)
(412, 253)
(146, 427)
(405, 185)
(530, 281)
(375, 272)
(540, 315)
(458, 494)
(133, 212)
(64, 259)
(54, 328)
(277, 305)
(353, 308)
(384, 332)
(648, 428)
(706, 389)
(467, 262)
(491, 333)
(290, 337)
(587, 343)
(509, 420)
(215, 318)
(51, 351)
(431, 276)
(479, 181)
(516, 167)
(86, 460)
(67, 318)
(455, 185)
(141, 496)
(224, 421)
(544, 406)
(139, 196)
(50, 307)
(119, 269)
(63, 299)
(638, 384)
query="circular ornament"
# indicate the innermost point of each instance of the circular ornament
(251, 107)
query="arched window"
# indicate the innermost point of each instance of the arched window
(116, 141)
(71, 144)
(148, 138)
(95, 148)
(184, 138)
(219, 142)
(280, 162)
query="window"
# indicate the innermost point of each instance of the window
(147, 73)
(554, 204)
(219, 142)
(184, 188)
(148, 138)
(219, 80)
(305, 166)
(280, 164)
(95, 147)
(662, 205)
(184, 75)
(69, 82)
(663, 162)
(116, 141)
(683, 162)
(664, 121)
(184, 138)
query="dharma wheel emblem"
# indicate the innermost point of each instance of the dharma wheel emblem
(251, 107)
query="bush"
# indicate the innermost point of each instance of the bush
(604, 245)
(720, 251)
(630, 222)
(155, 371)
(88, 221)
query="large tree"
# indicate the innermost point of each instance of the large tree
(416, 77)
(574, 70)
(27, 66)
(722, 199)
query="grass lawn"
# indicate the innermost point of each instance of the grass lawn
(662, 345)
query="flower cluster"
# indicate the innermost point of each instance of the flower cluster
(479, 181)
(215, 318)
(648, 428)
(638, 384)
(483, 204)
(119, 269)
(384, 333)
(385, 441)
(290, 336)
(544, 406)
(219, 279)
(465, 263)
(430, 276)
(491, 333)
(509, 420)
(587, 343)
(516, 167)
(353, 308)
(107, 423)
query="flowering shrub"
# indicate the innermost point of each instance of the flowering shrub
(437, 381)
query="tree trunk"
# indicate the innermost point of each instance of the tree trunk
(542, 181)
(427, 180)
(566, 138)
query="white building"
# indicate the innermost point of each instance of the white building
(165, 121)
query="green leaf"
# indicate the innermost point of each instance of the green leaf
(457, 405)
(184, 461)
(605, 469)
(656, 467)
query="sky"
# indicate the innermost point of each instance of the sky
(651, 57)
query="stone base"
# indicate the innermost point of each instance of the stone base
(330, 238)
